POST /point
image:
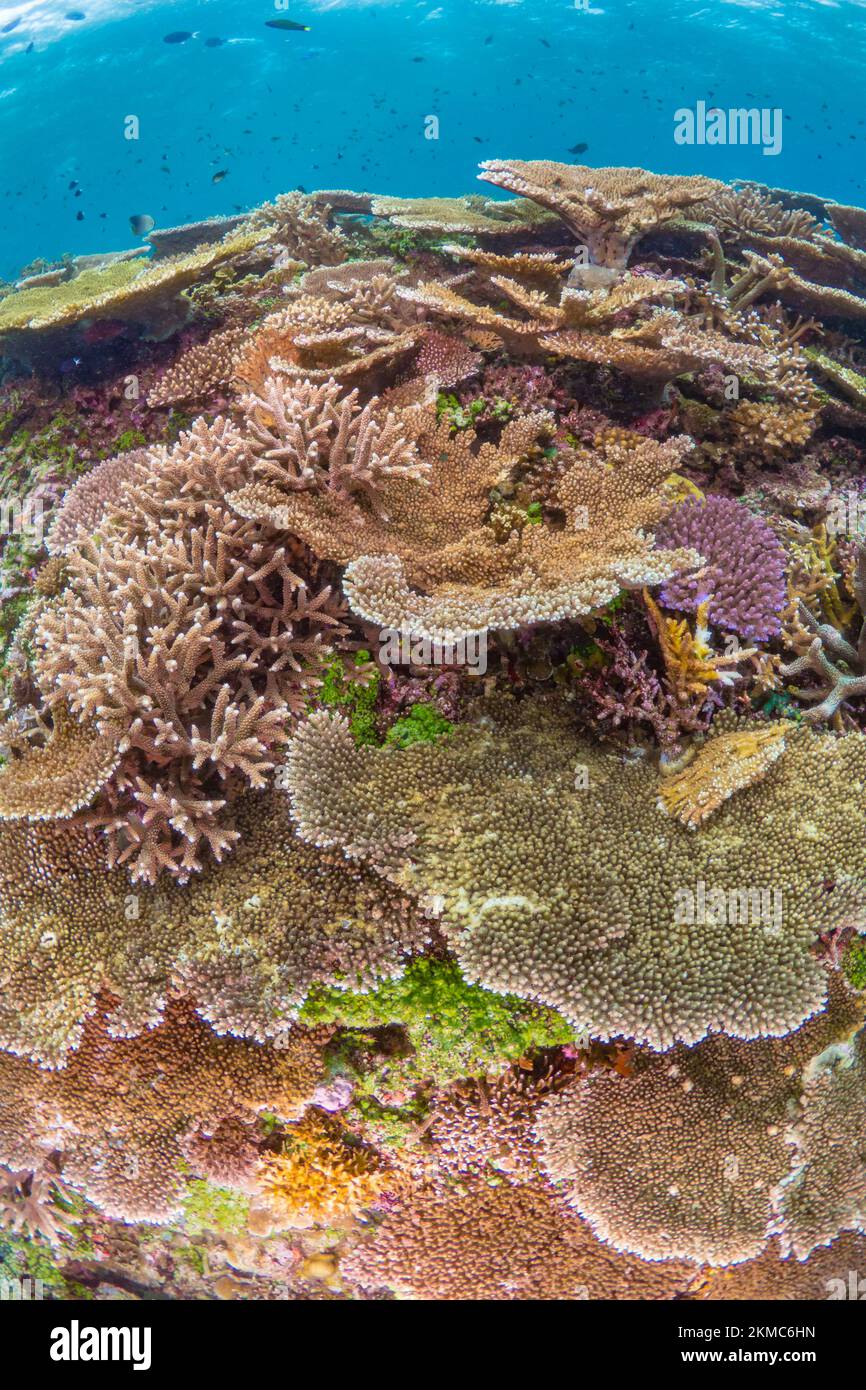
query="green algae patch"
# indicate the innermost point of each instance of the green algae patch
(455, 1029)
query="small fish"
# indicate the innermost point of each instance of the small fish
(79, 217)
(179, 36)
(13, 24)
(214, 43)
(29, 48)
(579, 149)
(76, 14)
(73, 183)
(544, 41)
(286, 24)
(219, 175)
(141, 223)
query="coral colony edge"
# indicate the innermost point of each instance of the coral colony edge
(433, 786)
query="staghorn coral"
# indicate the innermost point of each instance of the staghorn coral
(607, 210)
(679, 1160)
(300, 225)
(491, 821)
(743, 571)
(306, 436)
(188, 637)
(501, 891)
(247, 940)
(92, 498)
(169, 1081)
(202, 369)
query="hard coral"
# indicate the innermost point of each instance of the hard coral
(488, 821)
(125, 1156)
(743, 574)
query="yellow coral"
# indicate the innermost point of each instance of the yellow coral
(319, 1175)
(725, 765)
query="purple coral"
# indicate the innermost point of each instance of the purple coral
(744, 574)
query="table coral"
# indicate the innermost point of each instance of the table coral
(491, 821)
(127, 1157)
(681, 1158)
(248, 941)
(333, 966)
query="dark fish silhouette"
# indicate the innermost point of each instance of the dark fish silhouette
(579, 149)
(214, 43)
(179, 36)
(79, 217)
(141, 223)
(219, 175)
(76, 14)
(286, 24)
(13, 24)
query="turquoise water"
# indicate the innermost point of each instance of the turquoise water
(344, 105)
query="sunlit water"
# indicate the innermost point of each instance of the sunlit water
(348, 104)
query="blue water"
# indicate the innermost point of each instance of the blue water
(345, 104)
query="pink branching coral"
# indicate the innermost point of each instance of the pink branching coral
(744, 574)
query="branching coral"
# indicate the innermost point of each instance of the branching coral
(188, 638)
(499, 1243)
(319, 1174)
(743, 571)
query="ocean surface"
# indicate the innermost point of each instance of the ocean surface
(347, 103)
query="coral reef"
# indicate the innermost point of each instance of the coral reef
(433, 749)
